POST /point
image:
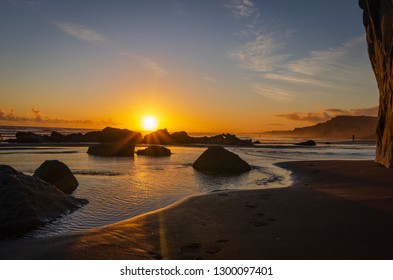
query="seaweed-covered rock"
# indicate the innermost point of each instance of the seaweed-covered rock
(155, 151)
(58, 174)
(218, 160)
(27, 202)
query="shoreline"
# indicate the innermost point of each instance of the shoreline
(348, 217)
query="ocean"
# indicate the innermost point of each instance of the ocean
(121, 188)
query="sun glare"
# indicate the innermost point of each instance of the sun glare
(149, 123)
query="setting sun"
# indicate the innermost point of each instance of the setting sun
(149, 123)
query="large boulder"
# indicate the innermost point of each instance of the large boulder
(378, 22)
(58, 174)
(155, 151)
(218, 160)
(118, 149)
(27, 202)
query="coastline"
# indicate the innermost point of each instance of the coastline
(334, 210)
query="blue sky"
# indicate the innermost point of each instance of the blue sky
(236, 65)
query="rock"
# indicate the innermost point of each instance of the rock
(28, 137)
(378, 22)
(58, 174)
(155, 151)
(307, 143)
(218, 160)
(182, 137)
(113, 135)
(257, 142)
(92, 136)
(118, 149)
(57, 137)
(160, 136)
(27, 202)
(1, 138)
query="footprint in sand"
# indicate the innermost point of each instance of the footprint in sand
(216, 246)
(191, 251)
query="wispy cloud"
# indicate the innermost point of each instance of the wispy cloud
(271, 92)
(243, 8)
(36, 117)
(80, 32)
(210, 79)
(327, 114)
(147, 63)
(261, 54)
(32, 5)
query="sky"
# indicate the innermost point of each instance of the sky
(233, 66)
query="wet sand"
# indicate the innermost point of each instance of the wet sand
(334, 210)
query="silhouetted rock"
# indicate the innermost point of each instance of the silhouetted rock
(155, 151)
(1, 138)
(118, 149)
(28, 137)
(92, 136)
(27, 202)
(182, 137)
(378, 22)
(218, 160)
(307, 143)
(257, 142)
(160, 136)
(112, 135)
(57, 137)
(58, 174)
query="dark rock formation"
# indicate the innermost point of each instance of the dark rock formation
(58, 174)
(155, 151)
(182, 137)
(118, 149)
(161, 137)
(340, 127)
(112, 135)
(307, 143)
(218, 160)
(378, 22)
(27, 202)
(28, 137)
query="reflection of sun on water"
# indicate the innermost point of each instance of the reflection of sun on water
(149, 123)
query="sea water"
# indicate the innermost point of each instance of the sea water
(121, 188)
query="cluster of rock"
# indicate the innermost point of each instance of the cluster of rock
(112, 135)
(163, 137)
(107, 135)
(378, 22)
(27, 202)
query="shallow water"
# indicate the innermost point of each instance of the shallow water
(120, 188)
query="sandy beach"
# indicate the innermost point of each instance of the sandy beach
(334, 210)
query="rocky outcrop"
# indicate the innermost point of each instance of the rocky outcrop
(58, 174)
(27, 202)
(118, 149)
(217, 160)
(29, 137)
(155, 151)
(378, 22)
(340, 127)
(161, 137)
(307, 143)
(112, 135)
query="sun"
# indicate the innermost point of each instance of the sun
(149, 123)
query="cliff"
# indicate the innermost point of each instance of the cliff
(378, 22)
